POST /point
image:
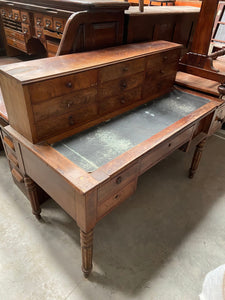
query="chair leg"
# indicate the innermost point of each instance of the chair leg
(196, 158)
(31, 189)
(86, 241)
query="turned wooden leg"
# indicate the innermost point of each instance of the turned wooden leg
(31, 189)
(196, 158)
(86, 241)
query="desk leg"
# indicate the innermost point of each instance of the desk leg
(196, 158)
(86, 241)
(31, 189)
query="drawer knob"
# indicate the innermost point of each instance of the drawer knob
(24, 18)
(69, 104)
(125, 69)
(122, 101)
(169, 145)
(71, 121)
(165, 58)
(69, 84)
(118, 180)
(123, 84)
(162, 72)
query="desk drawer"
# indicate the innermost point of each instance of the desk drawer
(163, 150)
(121, 85)
(117, 183)
(121, 70)
(38, 20)
(62, 85)
(106, 206)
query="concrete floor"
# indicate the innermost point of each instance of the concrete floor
(159, 244)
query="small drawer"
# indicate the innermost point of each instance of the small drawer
(117, 183)
(10, 14)
(17, 176)
(164, 149)
(48, 22)
(38, 20)
(58, 24)
(106, 206)
(16, 15)
(39, 33)
(121, 70)
(79, 103)
(51, 88)
(26, 30)
(116, 87)
(4, 13)
(218, 119)
(16, 44)
(8, 142)
(163, 60)
(25, 17)
(13, 34)
(13, 159)
(124, 99)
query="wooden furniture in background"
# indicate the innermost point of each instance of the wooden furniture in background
(36, 27)
(172, 23)
(110, 82)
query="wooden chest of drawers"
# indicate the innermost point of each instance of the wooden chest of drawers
(99, 86)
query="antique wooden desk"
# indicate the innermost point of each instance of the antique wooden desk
(86, 129)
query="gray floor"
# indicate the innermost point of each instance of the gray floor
(159, 244)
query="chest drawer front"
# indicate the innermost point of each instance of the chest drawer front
(117, 183)
(39, 33)
(58, 24)
(121, 70)
(120, 101)
(48, 22)
(14, 34)
(26, 30)
(16, 15)
(218, 119)
(38, 20)
(118, 86)
(75, 117)
(77, 102)
(61, 86)
(25, 17)
(163, 150)
(163, 60)
(16, 44)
